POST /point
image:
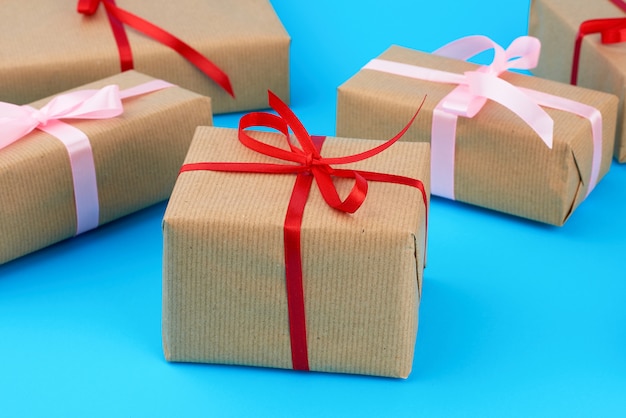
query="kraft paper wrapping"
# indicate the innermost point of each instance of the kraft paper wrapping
(46, 47)
(224, 295)
(601, 67)
(137, 157)
(500, 161)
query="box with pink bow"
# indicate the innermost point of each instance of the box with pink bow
(584, 43)
(79, 159)
(502, 140)
(232, 51)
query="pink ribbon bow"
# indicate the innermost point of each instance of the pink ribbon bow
(473, 90)
(17, 122)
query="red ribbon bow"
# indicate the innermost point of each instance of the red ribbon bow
(309, 165)
(118, 17)
(611, 31)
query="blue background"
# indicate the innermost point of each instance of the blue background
(517, 318)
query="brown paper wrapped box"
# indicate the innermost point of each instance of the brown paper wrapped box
(500, 161)
(224, 296)
(137, 156)
(48, 47)
(601, 67)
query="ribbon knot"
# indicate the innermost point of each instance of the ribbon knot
(40, 117)
(308, 162)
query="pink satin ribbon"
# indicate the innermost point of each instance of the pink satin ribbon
(17, 122)
(473, 90)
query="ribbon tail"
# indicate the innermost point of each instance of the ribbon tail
(293, 122)
(327, 189)
(620, 3)
(576, 58)
(516, 100)
(12, 131)
(119, 33)
(166, 38)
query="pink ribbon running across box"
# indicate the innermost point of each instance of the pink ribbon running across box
(17, 122)
(473, 90)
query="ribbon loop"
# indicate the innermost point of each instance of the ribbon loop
(522, 54)
(103, 103)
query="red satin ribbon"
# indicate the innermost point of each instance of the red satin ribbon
(619, 3)
(118, 17)
(611, 31)
(309, 166)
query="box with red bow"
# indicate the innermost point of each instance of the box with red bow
(90, 155)
(264, 268)
(499, 139)
(584, 43)
(232, 51)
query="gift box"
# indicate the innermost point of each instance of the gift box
(53, 48)
(229, 292)
(500, 139)
(95, 170)
(601, 60)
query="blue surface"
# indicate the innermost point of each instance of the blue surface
(517, 318)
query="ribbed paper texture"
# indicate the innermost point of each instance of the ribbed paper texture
(602, 67)
(224, 295)
(500, 161)
(137, 157)
(47, 48)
